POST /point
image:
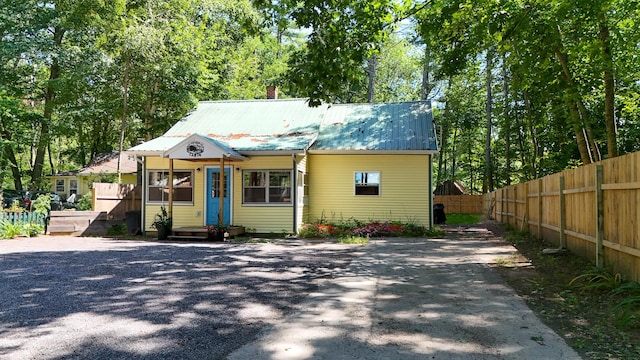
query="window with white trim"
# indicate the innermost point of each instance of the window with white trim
(158, 186)
(266, 187)
(367, 183)
(73, 186)
(59, 185)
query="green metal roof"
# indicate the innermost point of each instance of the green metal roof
(406, 126)
(277, 125)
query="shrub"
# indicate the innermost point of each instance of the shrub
(358, 229)
(9, 230)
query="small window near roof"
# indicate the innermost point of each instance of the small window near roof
(367, 183)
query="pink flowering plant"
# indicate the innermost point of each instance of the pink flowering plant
(217, 229)
(355, 228)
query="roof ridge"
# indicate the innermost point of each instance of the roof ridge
(251, 100)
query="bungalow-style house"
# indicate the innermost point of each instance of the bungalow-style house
(78, 182)
(286, 164)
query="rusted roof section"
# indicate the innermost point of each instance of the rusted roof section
(378, 127)
(248, 125)
(273, 125)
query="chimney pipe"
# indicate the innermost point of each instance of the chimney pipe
(272, 92)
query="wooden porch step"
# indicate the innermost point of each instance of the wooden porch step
(190, 230)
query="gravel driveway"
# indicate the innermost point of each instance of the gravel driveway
(93, 298)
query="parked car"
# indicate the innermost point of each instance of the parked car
(10, 196)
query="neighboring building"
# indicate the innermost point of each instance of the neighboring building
(450, 187)
(286, 164)
(79, 182)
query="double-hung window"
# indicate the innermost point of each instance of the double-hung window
(266, 186)
(158, 186)
(59, 185)
(73, 186)
(367, 183)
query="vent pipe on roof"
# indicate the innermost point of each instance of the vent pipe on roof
(272, 92)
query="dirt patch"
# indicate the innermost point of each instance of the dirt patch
(586, 320)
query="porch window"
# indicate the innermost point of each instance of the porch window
(158, 186)
(59, 185)
(266, 187)
(367, 183)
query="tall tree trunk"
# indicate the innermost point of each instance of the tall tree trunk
(507, 120)
(537, 152)
(125, 101)
(43, 140)
(372, 78)
(488, 172)
(425, 89)
(609, 89)
(578, 112)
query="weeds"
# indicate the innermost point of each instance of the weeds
(353, 240)
(596, 279)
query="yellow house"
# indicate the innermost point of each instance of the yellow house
(79, 182)
(286, 164)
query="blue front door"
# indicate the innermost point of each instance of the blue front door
(213, 196)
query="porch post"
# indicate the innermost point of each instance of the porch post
(222, 189)
(170, 181)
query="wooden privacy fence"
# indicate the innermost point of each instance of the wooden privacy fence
(116, 199)
(591, 211)
(460, 204)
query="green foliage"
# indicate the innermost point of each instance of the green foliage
(117, 230)
(597, 279)
(15, 207)
(357, 240)
(31, 230)
(162, 219)
(42, 204)
(84, 202)
(359, 229)
(628, 309)
(9, 230)
(466, 219)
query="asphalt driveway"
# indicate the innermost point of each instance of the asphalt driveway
(65, 298)
(92, 298)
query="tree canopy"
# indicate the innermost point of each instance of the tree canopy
(520, 88)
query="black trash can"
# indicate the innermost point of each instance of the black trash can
(439, 217)
(134, 221)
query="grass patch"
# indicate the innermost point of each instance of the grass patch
(463, 219)
(353, 240)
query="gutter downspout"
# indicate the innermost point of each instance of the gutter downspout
(294, 193)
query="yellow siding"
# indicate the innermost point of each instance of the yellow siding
(183, 215)
(256, 218)
(404, 192)
(263, 219)
(84, 183)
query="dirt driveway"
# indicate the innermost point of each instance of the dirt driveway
(392, 299)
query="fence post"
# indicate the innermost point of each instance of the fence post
(540, 208)
(599, 218)
(563, 215)
(515, 205)
(525, 220)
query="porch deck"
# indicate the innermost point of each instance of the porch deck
(200, 233)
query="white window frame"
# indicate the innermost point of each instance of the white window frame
(267, 188)
(165, 174)
(73, 189)
(58, 182)
(365, 183)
